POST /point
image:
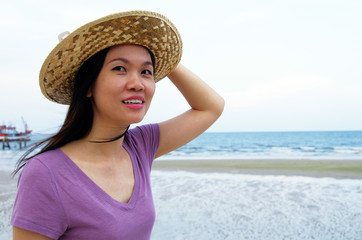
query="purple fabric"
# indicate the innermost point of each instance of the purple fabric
(56, 199)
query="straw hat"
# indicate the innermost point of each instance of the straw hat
(148, 29)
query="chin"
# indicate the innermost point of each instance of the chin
(132, 118)
(135, 120)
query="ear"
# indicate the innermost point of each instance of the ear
(89, 93)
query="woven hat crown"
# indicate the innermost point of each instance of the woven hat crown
(148, 29)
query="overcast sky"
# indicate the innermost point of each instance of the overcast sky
(281, 65)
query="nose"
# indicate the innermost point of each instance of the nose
(135, 83)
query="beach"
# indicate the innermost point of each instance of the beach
(245, 199)
(350, 169)
(258, 199)
(7, 197)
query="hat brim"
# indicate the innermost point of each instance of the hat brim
(148, 29)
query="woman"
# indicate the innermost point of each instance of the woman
(92, 179)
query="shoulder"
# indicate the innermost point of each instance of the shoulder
(143, 141)
(38, 207)
(146, 135)
(144, 131)
(42, 165)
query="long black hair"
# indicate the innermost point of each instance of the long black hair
(79, 118)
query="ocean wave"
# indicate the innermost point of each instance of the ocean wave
(235, 206)
(348, 150)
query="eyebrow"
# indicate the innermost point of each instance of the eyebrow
(147, 63)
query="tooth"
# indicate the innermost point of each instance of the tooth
(133, 101)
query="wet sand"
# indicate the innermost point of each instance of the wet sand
(351, 169)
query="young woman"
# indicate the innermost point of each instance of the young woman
(92, 179)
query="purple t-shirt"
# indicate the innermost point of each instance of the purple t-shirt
(56, 199)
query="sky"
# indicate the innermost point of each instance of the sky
(283, 65)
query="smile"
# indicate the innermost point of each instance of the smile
(133, 101)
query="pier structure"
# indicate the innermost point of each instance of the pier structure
(21, 140)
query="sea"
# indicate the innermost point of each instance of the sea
(330, 145)
(191, 205)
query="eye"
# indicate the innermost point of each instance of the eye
(119, 68)
(147, 72)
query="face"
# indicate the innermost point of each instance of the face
(123, 90)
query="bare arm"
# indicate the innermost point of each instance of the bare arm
(206, 107)
(22, 234)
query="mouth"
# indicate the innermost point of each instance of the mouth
(133, 101)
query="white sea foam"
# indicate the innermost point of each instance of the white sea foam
(236, 207)
(8, 159)
(348, 150)
(7, 196)
(228, 206)
(308, 149)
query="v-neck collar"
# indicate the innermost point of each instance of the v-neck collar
(98, 190)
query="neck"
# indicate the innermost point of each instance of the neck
(109, 143)
(111, 139)
(103, 133)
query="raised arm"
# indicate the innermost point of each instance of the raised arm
(206, 107)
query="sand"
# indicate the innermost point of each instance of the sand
(314, 168)
(351, 169)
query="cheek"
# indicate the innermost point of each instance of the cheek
(105, 88)
(151, 88)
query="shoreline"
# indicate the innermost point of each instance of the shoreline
(346, 169)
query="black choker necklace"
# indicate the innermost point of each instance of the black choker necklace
(112, 139)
